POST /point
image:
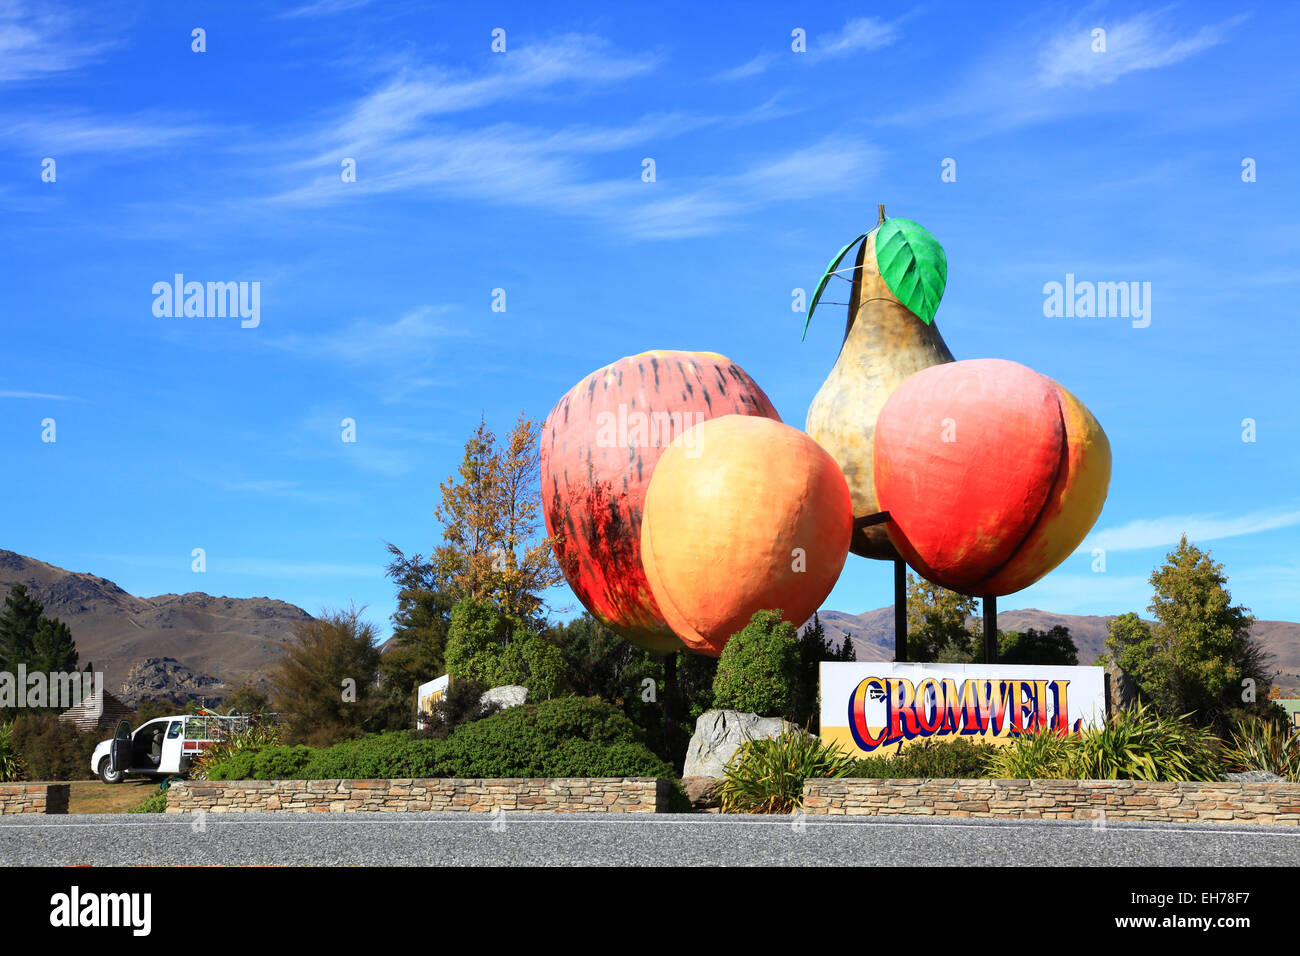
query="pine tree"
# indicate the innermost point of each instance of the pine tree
(18, 624)
(1199, 656)
(30, 638)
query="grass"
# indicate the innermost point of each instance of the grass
(95, 796)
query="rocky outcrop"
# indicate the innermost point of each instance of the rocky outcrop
(505, 696)
(719, 733)
(165, 678)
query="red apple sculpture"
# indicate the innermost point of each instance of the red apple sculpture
(599, 448)
(991, 473)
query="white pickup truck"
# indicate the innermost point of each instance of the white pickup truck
(163, 747)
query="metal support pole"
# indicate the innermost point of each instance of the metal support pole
(900, 610)
(990, 630)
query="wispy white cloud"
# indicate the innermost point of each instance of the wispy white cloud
(861, 33)
(1165, 532)
(1044, 74)
(323, 8)
(369, 341)
(41, 41)
(401, 146)
(858, 34)
(1145, 41)
(44, 396)
(73, 133)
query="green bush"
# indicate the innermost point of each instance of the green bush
(959, 758)
(156, 802)
(461, 704)
(493, 648)
(11, 765)
(565, 737)
(53, 749)
(1046, 755)
(758, 671)
(1140, 744)
(383, 756)
(1269, 745)
(261, 733)
(767, 776)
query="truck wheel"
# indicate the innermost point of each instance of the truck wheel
(107, 775)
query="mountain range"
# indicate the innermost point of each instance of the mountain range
(167, 645)
(183, 646)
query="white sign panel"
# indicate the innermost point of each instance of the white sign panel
(880, 708)
(428, 694)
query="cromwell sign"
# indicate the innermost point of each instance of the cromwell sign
(880, 708)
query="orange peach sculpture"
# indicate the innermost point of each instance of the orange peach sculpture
(743, 514)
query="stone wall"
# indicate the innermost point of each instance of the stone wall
(1233, 802)
(560, 795)
(33, 798)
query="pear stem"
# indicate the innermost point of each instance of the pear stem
(881, 207)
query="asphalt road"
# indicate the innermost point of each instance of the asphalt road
(446, 839)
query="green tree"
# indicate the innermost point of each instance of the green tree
(18, 624)
(936, 623)
(1199, 656)
(53, 649)
(326, 686)
(417, 650)
(29, 638)
(487, 645)
(493, 547)
(758, 671)
(1032, 646)
(815, 647)
(600, 663)
(246, 699)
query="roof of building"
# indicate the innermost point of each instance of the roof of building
(97, 710)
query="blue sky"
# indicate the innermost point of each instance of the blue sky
(522, 171)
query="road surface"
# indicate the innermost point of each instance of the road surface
(465, 839)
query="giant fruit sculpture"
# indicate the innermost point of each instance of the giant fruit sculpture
(898, 281)
(992, 474)
(743, 514)
(599, 448)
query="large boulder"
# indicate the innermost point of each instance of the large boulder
(505, 696)
(719, 734)
(1121, 690)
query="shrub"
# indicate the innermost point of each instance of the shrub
(1140, 744)
(260, 734)
(767, 776)
(487, 645)
(566, 737)
(1045, 755)
(960, 758)
(388, 755)
(758, 671)
(1269, 745)
(461, 704)
(271, 763)
(156, 802)
(11, 766)
(53, 749)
